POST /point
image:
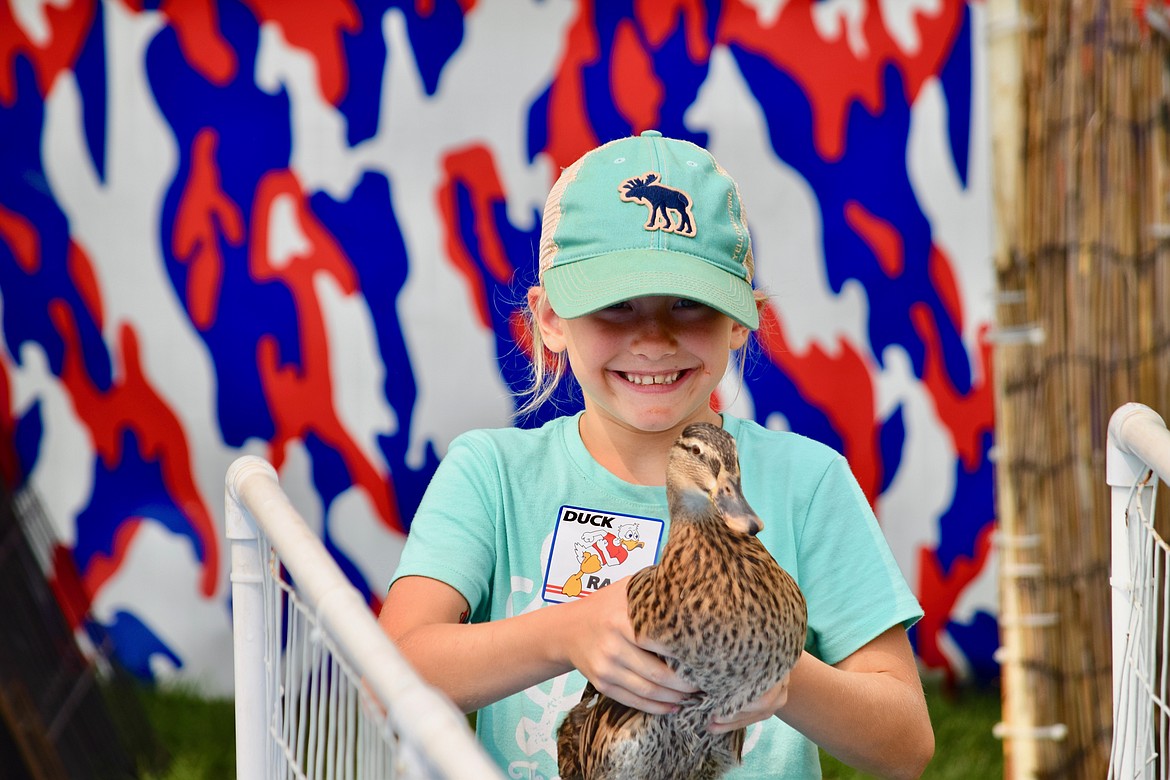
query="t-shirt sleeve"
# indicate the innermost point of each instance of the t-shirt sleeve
(854, 588)
(452, 537)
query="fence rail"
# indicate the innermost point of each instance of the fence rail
(321, 692)
(1137, 458)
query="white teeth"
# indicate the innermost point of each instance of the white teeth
(652, 379)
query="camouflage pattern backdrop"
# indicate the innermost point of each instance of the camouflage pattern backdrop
(303, 230)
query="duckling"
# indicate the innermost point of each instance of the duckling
(733, 619)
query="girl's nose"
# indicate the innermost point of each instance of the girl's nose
(653, 339)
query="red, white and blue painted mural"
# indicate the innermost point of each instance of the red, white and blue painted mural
(303, 230)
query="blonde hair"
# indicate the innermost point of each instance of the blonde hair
(548, 368)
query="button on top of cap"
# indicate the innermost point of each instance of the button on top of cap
(651, 134)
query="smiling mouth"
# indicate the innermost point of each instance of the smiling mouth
(651, 379)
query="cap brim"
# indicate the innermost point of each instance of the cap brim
(588, 285)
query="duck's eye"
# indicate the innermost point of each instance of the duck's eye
(696, 449)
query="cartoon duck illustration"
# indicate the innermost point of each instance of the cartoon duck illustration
(602, 548)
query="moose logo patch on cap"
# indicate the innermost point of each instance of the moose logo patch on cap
(662, 202)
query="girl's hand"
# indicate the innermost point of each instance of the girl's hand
(762, 708)
(604, 649)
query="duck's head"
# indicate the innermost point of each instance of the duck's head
(702, 480)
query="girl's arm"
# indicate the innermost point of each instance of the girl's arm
(477, 664)
(868, 710)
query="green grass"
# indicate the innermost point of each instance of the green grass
(200, 738)
(198, 734)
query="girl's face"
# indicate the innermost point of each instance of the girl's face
(646, 364)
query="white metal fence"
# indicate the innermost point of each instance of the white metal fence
(1137, 458)
(321, 692)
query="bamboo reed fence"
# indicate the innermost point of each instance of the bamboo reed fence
(1080, 147)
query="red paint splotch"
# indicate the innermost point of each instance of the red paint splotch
(940, 591)
(829, 71)
(300, 397)
(131, 404)
(67, 29)
(22, 239)
(880, 236)
(840, 385)
(659, 19)
(316, 28)
(81, 274)
(570, 131)
(202, 43)
(474, 169)
(637, 91)
(942, 280)
(425, 8)
(68, 586)
(206, 216)
(970, 416)
(10, 469)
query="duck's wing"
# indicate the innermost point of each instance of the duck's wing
(569, 737)
(598, 737)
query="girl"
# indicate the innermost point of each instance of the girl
(501, 596)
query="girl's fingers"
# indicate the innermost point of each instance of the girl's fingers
(739, 720)
(646, 684)
(657, 670)
(764, 707)
(658, 674)
(640, 693)
(651, 706)
(652, 646)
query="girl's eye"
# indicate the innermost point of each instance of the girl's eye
(692, 307)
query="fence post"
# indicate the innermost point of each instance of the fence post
(1135, 434)
(252, 707)
(424, 723)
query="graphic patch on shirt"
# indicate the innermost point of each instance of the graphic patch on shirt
(592, 548)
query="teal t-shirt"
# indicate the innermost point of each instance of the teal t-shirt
(516, 520)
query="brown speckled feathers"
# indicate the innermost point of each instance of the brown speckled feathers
(734, 620)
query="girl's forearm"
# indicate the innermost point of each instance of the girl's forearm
(477, 664)
(873, 721)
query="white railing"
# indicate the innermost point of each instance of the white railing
(321, 692)
(1137, 458)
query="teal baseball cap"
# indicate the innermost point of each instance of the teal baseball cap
(647, 215)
